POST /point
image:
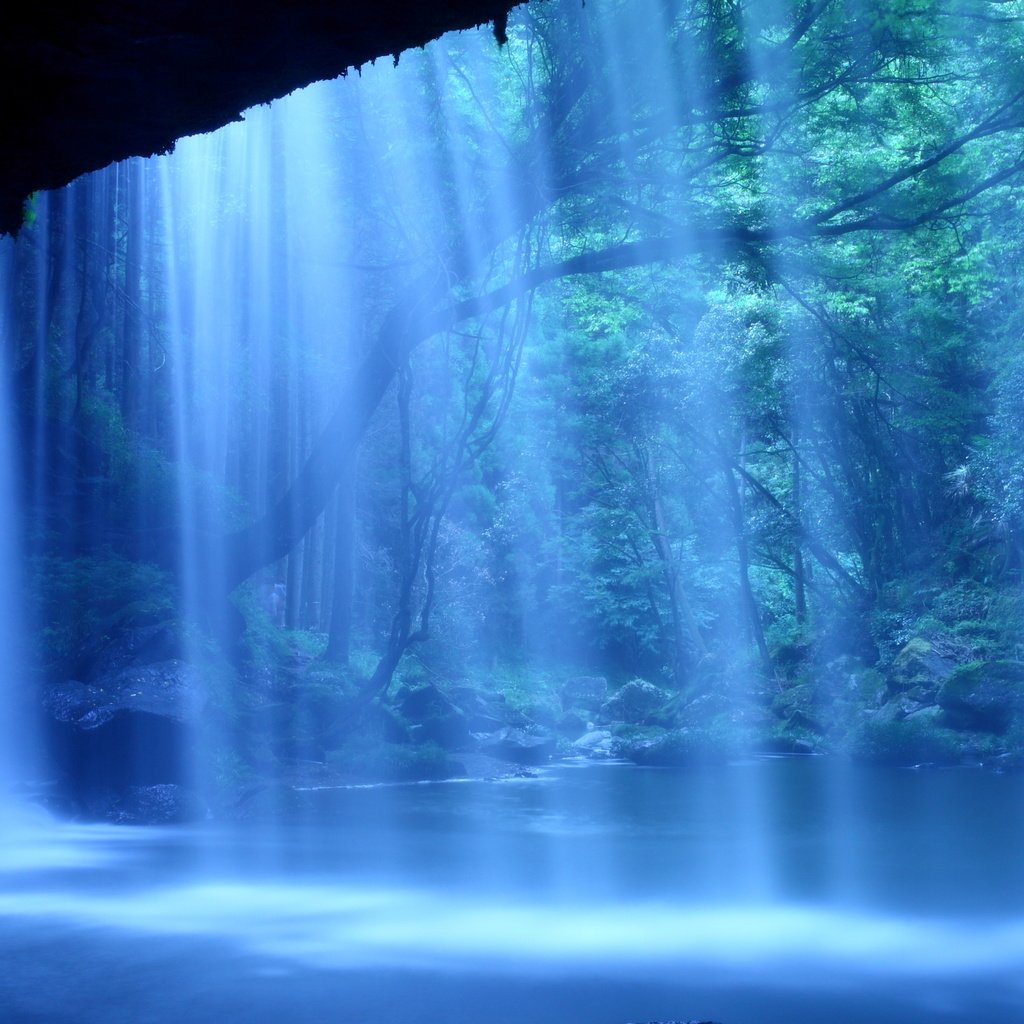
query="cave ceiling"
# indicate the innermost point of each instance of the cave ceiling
(86, 84)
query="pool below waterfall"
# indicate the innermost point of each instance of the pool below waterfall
(765, 891)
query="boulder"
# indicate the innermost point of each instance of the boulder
(417, 702)
(987, 696)
(799, 707)
(922, 666)
(585, 692)
(130, 728)
(896, 710)
(597, 743)
(170, 689)
(484, 711)
(570, 725)
(518, 745)
(636, 703)
(162, 804)
(912, 740)
(134, 645)
(675, 748)
(433, 717)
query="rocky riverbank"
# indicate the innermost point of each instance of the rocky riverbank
(125, 742)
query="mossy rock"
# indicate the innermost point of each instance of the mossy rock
(919, 665)
(637, 703)
(702, 710)
(790, 738)
(799, 707)
(908, 741)
(587, 693)
(571, 725)
(797, 699)
(826, 704)
(433, 718)
(867, 687)
(676, 748)
(519, 746)
(987, 696)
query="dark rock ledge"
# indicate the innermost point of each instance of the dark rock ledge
(89, 83)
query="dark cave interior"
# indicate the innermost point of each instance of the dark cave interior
(95, 82)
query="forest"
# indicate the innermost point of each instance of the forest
(643, 387)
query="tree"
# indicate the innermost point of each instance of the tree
(708, 170)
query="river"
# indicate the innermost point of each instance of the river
(766, 891)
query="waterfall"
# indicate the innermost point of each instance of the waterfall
(467, 525)
(16, 725)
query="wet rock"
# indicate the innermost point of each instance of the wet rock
(518, 745)
(484, 712)
(433, 717)
(571, 725)
(447, 729)
(907, 741)
(674, 748)
(798, 706)
(896, 710)
(162, 804)
(130, 728)
(922, 665)
(786, 743)
(929, 713)
(417, 702)
(597, 743)
(636, 703)
(133, 645)
(539, 715)
(586, 692)
(171, 689)
(984, 695)
(634, 740)
(703, 709)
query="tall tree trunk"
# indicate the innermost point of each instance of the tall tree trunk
(684, 623)
(747, 598)
(799, 572)
(131, 353)
(312, 561)
(339, 638)
(293, 587)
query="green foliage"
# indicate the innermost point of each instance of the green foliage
(30, 212)
(82, 603)
(784, 434)
(688, 746)
(912, 741)
(266, 645)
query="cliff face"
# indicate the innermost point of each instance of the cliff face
(94, 82)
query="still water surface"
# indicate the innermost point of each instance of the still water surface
(768, 891)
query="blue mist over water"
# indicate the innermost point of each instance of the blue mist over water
(602, 892)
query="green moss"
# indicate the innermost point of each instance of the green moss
(921, 664)
(909, 741)
(984, 695)
(82, 603)
(680, 747)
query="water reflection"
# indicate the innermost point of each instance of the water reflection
(597, 880)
